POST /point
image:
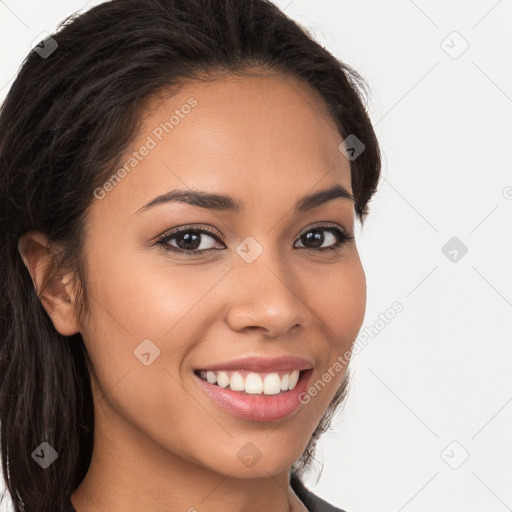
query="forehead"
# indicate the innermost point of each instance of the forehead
(251, 136)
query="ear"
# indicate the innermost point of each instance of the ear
(56, 291)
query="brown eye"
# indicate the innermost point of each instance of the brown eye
(315, 238)
(189, 241)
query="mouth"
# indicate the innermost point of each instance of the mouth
(255, 396)
(254, 383)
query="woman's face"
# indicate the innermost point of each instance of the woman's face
(262, 287)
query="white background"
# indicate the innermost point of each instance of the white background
(440, 372)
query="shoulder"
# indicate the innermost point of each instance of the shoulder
(313, 502)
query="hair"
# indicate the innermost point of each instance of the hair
(64, 125)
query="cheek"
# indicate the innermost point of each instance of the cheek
(158, 307)
(339, 301)
(338, 296)
(143, 305)
(149, 295)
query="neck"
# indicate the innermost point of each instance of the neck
(130, 472)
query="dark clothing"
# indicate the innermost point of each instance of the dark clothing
(312, 502)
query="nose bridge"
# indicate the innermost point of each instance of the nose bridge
(265, 296)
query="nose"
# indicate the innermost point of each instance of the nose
(266, 296)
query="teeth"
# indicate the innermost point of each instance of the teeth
(294, 377)
(236, 383)
(253, 383)
(222, 379)
(285, 379)
(272, 384)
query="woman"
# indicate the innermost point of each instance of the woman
(181, 286)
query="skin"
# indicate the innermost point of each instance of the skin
(161, 444)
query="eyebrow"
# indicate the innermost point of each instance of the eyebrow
(227, 203)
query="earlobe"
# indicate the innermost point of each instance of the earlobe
(55, 290)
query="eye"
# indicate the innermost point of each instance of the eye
(195, 241)
(314, 238)
(188, 241)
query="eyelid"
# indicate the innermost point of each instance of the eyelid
(211, 231)
(326, 225)
(190, 227)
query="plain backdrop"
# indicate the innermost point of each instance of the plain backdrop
(427, 425)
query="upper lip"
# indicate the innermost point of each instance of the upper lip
(262, 364)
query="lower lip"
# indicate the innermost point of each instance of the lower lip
(258, 407)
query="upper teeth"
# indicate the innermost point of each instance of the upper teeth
(253, 383)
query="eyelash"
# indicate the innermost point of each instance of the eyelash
(343, 237)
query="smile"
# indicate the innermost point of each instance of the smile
(254, 383)
(255, 396)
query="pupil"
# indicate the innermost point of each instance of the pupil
(315, 236)
(192, 237)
